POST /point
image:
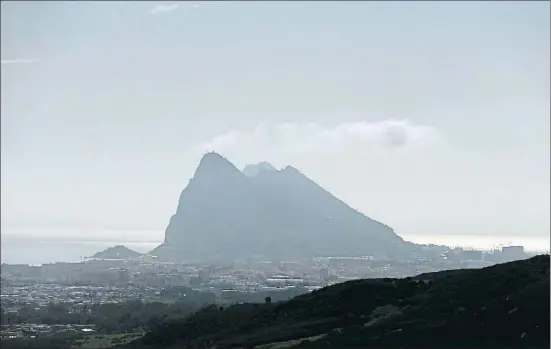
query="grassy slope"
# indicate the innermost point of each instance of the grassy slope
(505, 305)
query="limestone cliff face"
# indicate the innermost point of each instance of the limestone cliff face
(224, 213)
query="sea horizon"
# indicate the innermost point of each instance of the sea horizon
(37, 249)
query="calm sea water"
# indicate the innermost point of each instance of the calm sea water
(29, 250)
(39, 250)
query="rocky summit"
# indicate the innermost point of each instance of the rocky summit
(225, 213)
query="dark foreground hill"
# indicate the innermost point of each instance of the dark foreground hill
(502, 306)
(225, 213)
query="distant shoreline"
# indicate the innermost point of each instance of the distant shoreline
(476, 241)
(41, 249)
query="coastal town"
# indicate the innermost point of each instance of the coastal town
(81, 286)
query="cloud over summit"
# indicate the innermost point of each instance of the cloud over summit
(318, 139)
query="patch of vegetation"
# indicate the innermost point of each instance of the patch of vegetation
(110, 317)
(53, 342)
(99, 341)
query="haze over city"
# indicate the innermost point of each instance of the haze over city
(430, 117)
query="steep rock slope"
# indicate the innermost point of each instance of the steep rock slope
(223, 213)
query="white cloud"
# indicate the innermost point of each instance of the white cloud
(19, 61)
(267, 140)
(163, 8)
(204, 3)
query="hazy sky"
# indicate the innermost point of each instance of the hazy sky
(431, 117)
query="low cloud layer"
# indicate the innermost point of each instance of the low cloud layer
(317, 139)
(162, 8)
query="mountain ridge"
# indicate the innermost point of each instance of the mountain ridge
(251, 170)
(224, 213)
